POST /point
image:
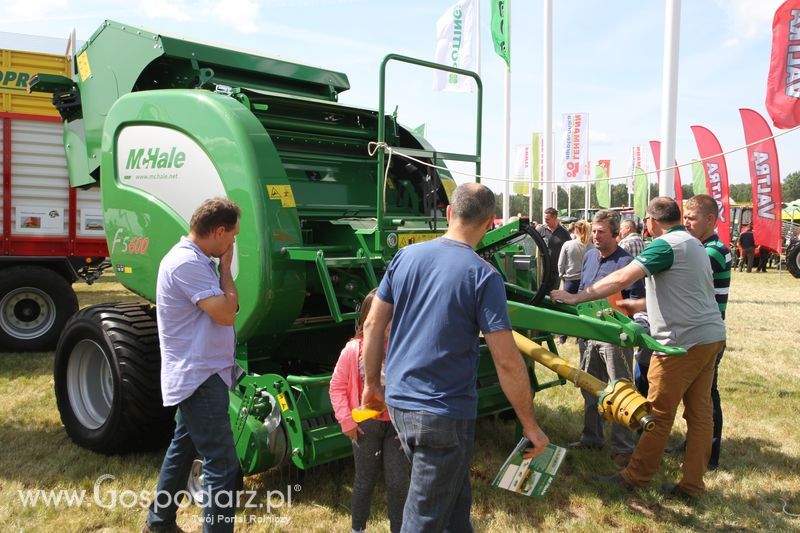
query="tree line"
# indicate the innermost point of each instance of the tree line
(739, 192)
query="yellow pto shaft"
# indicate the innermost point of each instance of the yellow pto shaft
(618, 401)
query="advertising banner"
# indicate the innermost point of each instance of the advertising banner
(454, 35)
(716, 171)
(783, 81)
(574, 147)
(765, 178)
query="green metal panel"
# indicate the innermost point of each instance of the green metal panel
(271, 287)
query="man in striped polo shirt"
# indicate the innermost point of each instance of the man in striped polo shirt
(700, 219)
(682, 310)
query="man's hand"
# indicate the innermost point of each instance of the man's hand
(632, 306)
(539, 442)
(353, 433)
(562, 297)
(226, 259)
(372, 397)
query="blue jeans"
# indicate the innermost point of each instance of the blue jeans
(202, 428)
(440, 450)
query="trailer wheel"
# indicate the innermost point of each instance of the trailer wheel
(35, 303)
(107, 380)
(793, 259)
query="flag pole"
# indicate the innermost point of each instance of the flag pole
(547, 136)
(506, 141)
(669, 95)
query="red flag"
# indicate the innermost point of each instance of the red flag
(765, 178)
(655, 147)
(783, 82)
(716, 178)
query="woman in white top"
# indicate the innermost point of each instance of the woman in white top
(570, 260)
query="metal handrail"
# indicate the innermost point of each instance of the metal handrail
(382, 129)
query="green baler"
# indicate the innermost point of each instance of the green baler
(161, 123)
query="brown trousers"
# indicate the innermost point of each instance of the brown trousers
(672, 379)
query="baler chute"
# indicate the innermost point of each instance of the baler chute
(177, 122)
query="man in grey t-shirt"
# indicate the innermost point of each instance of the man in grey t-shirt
(683, 312)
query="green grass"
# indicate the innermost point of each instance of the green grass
(760, 462)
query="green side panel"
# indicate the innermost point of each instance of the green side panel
(225, 152)
(75, 148)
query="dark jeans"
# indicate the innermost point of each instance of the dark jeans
(379, 447)
(202, 428)
(716, 405)
(440, 449)
(571, 285)
(748, 256)
(642, 357)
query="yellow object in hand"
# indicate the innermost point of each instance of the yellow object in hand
(362, 413)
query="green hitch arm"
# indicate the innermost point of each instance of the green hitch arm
(591, 320)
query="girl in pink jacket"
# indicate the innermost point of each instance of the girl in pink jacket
(375, 442)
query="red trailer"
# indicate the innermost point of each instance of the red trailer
(50, 234)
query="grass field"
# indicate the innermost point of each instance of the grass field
(760, 465)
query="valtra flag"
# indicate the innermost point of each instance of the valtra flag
(716, 178)
(765, 178)
(655, 146)
(783, 82)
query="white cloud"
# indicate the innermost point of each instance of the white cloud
(602, 138)
(32, 8)
(241, 15)
(751, 18)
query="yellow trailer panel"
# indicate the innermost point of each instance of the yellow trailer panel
(16, 69)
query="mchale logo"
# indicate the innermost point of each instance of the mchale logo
(150, 158)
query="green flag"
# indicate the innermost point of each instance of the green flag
(419, 130)
(640, 186)
(601, 188)
(501, 30)
(535, 161)
(698, 178)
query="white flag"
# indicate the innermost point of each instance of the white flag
(454, 31)
(575, 147)
(523, 168)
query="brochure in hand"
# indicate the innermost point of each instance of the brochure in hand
(531, 477)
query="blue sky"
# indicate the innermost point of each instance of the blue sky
(607, 62)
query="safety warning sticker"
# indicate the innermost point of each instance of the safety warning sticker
(282, 193)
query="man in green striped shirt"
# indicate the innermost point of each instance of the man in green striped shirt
(700, 219)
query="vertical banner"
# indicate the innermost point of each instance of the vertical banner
(640, 191)
(636, 162)
(454, 32)
(500, 21)
(602, 190)
(655, 147)
(783, 81)
(698, 178)
(716, 178)
(523, 166)
(536, 166)
(574, 147)
(765, 178)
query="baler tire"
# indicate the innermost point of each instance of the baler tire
(35, 304)
(793, 259)
(544, 254)
(107, 380)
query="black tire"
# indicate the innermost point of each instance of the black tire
(35, 304)
(107, 380)
(793, 259)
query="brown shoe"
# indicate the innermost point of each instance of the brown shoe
(675, 491)
(621, 459)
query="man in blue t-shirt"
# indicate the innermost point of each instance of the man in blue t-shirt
(439, 295)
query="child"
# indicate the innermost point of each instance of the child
(374, 441)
